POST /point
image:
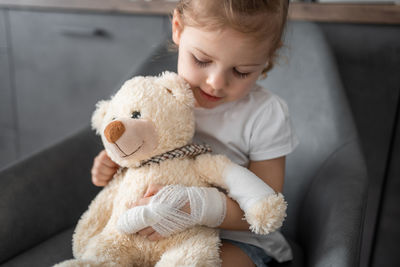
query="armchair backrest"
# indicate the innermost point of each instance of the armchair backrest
(307, 78)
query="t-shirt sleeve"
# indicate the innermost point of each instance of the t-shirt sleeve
(272, 133)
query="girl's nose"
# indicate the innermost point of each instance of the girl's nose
(217, 80)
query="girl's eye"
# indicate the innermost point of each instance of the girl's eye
(200, 63)
(136, 115)
(239, 74)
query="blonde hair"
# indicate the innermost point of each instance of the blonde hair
(260, 19)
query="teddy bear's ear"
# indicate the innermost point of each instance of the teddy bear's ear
(98, 115)
(177, 86)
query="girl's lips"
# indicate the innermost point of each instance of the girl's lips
(209, 97)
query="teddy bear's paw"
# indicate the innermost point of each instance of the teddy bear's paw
(267, 215)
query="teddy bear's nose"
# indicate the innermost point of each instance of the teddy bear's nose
(113, 131)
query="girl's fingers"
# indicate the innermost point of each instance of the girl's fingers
(155, 237)
(103, 169)
(150, 234)
(106, 171)
(146, 231)
(104, 159)
(141, 202)
(97, 182)
(102, 175)
(152, 189)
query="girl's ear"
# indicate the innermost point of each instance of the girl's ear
(98, 115)
(177, 27)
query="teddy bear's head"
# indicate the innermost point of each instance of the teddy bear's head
(148, 116)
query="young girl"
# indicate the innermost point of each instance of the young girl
(224, 47)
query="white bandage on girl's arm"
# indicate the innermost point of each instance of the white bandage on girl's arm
(207, 206)
(244, 186)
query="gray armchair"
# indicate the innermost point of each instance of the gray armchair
(42, 197)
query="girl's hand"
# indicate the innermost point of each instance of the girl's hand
(149, 232)
(103, 169)
(172, 209)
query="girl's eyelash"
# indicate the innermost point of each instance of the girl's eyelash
(239, 74)
(199, 62)
(203, 64)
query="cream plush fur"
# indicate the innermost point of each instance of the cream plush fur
(163, 120)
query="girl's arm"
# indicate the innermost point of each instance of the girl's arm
(272, 172)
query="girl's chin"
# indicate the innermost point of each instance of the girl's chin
(205, 100)
(206, 105)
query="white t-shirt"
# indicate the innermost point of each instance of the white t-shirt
(254, 128)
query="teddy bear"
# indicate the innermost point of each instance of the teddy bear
(147, 128)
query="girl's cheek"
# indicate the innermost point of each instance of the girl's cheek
(190, 74)
(183, 66)
(243, 90)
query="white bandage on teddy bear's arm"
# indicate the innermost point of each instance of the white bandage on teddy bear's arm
(207, 205)
(264, 209)
(140, 217)
(244, 186)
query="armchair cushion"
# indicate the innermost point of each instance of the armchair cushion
(53, 250)
(45, 193)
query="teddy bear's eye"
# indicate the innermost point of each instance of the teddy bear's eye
(136, 115)
(113, 118)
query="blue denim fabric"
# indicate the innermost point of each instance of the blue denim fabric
(256, 254)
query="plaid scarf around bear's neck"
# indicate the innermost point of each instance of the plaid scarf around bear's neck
(191, 150)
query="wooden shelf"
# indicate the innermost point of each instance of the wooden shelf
(121, 6)
(346, 13)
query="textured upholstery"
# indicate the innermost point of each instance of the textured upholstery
(42, 196)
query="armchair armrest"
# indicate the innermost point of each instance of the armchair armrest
(332, 213)
(46, 193)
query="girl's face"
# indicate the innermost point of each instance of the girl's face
(221, 66)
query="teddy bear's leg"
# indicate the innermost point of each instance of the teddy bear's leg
(84, 263)
(94, 219)
(199, 250)
(112, 248)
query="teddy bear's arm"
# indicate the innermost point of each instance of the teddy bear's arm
(264, 209)
(95, 218)
(211, 169)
